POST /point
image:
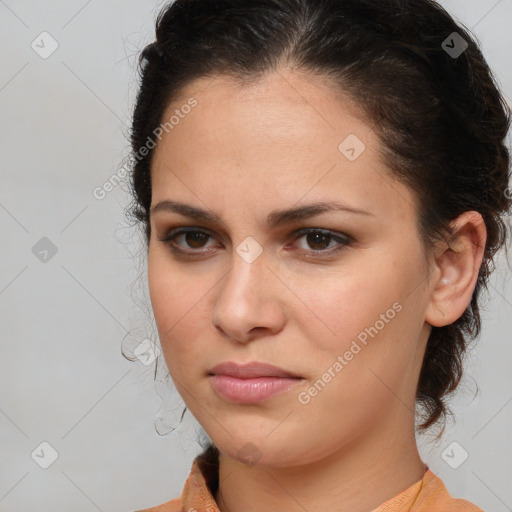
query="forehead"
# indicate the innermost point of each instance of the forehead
(284, 107)
(284, 135)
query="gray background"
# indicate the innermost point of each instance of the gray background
(63, 127)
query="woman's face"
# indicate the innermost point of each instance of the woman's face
(344, 310)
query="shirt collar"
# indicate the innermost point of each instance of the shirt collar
(203, 481)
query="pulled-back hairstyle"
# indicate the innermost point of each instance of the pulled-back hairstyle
(440, 117)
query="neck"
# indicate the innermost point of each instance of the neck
(357, 478)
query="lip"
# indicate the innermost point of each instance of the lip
(251, 370)
(250, 383)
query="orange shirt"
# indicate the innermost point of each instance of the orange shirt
(427, 495)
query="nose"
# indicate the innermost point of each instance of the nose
(249, 301)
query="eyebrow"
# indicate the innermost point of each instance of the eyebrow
(274, 219)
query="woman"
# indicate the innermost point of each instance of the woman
(322, 185)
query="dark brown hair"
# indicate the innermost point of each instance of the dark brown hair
(440, 116)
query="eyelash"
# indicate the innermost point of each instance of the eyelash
(343, 241)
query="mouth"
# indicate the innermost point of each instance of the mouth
(251, 370)
(250, 383)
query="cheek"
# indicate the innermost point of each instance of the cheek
(338, 306)
(179, 306)
(370, 319)
(172, 291)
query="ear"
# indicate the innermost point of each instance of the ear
(457, 266)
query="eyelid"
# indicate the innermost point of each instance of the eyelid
(343, 237)
(343, 240)
(169, 236)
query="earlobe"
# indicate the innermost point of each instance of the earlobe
(458, 265)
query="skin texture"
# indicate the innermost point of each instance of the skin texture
(243, 152)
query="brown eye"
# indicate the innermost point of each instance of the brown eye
(186, 241)
(195, 239)
(318, 241)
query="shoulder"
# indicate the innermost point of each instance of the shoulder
(435, 496)
(169, 506)
(198, 488)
